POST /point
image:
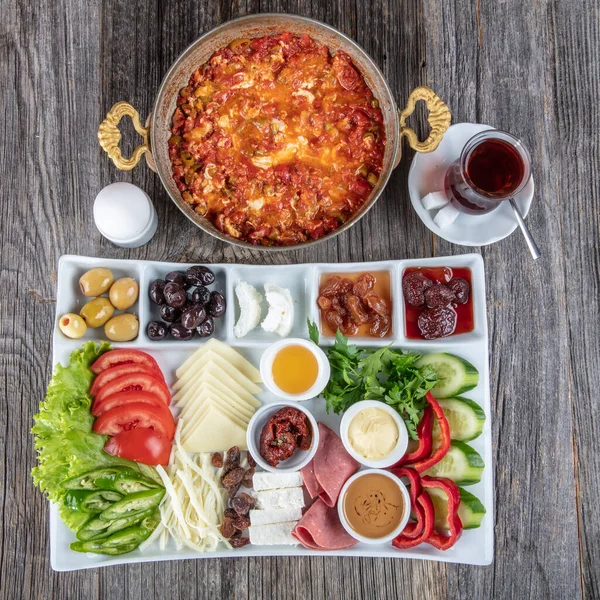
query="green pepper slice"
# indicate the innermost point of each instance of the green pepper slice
(98, 548)
(90, 501)
(123, 480)
(133, 504)
(130, 535)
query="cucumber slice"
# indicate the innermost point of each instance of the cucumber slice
(462, 464)
(465, 418)
(456, 374)
(439, 498)
(470, 510)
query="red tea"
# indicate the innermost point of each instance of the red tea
(495, 167)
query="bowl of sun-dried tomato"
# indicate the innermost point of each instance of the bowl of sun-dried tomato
(274, 131)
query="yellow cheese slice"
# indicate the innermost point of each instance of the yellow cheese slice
(204, 399)
(213, 373)
(200, 411)
(215, 433)
(224, 351)
(225, 365)
(209, 392)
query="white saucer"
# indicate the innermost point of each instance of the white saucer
(426, 175)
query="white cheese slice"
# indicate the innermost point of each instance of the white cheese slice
(249, 300)
(225, 366)
(222, 381)
(276, 515)
(209, 392)
(226, 352)
(263, 480)
(280, 317)
(215, 433)
(284, 498)
(273, 534)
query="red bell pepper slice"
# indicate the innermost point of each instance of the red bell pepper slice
(425, 435)
(413, 528)
(436, 539)
(442, 450)
(425, 506)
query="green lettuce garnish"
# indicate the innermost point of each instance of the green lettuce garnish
(64, 441)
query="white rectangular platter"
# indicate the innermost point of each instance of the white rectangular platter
(475, 546)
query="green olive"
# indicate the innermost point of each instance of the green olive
(72, 325)
(97, 311)
(96, 282)
(124, 293)
(122, 328)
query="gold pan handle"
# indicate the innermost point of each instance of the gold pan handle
(109, 136)
(438, 118)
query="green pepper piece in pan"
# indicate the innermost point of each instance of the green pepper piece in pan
(133, 504)
(90, 501)
(97, 548)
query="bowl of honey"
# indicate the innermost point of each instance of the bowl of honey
(294, 369)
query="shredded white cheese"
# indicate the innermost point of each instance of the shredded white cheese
(194, 503)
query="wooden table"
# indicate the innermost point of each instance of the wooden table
(528, 67)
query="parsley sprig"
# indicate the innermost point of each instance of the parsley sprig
(388, 375)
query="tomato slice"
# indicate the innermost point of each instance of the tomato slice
(125, 398)
(118, 370)
(124, 356)
(140, 445)
(133, 415)
(143, 382)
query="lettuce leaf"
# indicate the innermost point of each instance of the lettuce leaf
(64, 441)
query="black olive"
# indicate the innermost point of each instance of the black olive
(199, 275)
(193, 316)
(156, 291)
(216, 305)
(206, 328)
(179, 332)
(169, 314)
(175, 295)
(157, 330)
(200, 295)
(176, 277)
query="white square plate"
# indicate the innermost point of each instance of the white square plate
(476, 546)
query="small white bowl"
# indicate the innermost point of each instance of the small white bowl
(401, 445)
(300, 458)
(403, 521)
(266, 369)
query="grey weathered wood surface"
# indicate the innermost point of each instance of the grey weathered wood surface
(529, 67)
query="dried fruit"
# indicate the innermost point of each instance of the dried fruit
(335, 285)
(461, 289)
(241, 523)
(355, 307)
(227, 529)
(363, 284)
(376, 304)
(230, 513)
(324, 302)
(251, 461)
(217, 460)
(414, 285)
(233, 458)
(437, 322)
(380, 326)
(439, 295)
(241, 505)
(239, 542)
(233, 478)
(334, 319)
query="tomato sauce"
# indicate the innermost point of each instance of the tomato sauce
(465, 320)
(276, 141)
